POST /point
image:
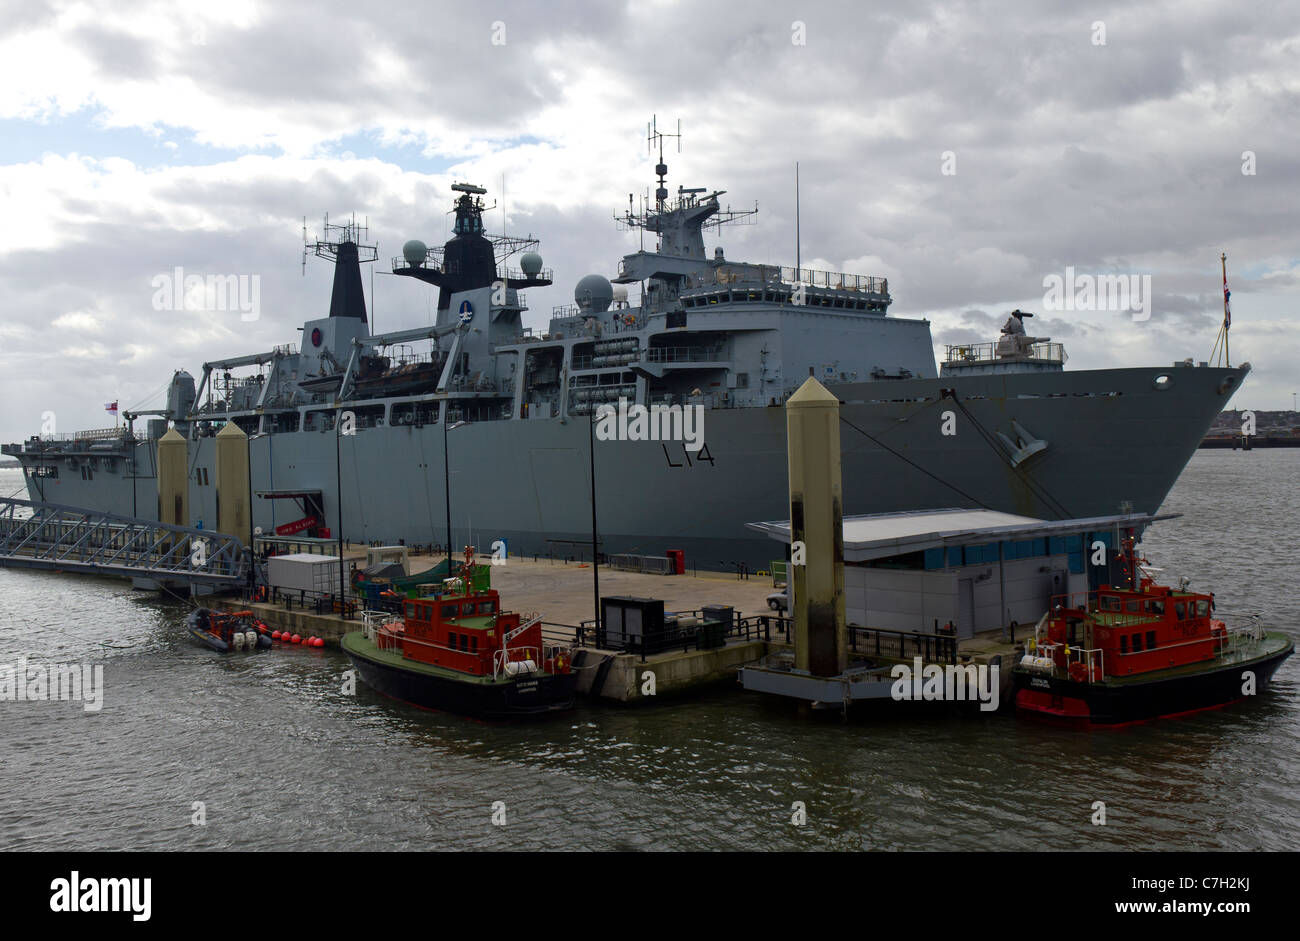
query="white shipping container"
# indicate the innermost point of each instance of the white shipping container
(305, 571)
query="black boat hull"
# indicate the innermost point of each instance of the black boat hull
(522, 697)
(1118, 703)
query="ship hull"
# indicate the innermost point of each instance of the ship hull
(521, 697)
(1134, 700)
(1114, 441)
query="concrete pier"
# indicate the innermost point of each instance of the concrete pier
(561, 593)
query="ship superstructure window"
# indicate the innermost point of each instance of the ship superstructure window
(1137, 642)
(1181, 610)
(1151, 640)
(1202, 608)
(449, 611)
(473, 644)
(1123, 643)
(485, 607)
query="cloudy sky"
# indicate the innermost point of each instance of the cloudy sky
(966, 150)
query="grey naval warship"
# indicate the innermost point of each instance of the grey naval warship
(510, 413)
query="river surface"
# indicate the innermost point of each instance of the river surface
(280, 757)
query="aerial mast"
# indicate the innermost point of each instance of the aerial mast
(656, 136)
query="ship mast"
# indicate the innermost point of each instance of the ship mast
(345, 246)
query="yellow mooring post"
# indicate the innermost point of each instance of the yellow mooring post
(173, 481)
(232, 481)
(817, 527)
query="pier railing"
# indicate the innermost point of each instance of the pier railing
(319, 602)
(902, 645)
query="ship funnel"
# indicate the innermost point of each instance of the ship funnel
(343, 245)
(347, 298)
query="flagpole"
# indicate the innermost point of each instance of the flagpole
(1227, 314)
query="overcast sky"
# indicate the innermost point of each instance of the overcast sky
(138, 138)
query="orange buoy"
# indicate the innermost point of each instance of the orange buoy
(275, 635)
(318, 642)
(296, 639)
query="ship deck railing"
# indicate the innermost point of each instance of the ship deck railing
(376, 620)
(684, 354)
(40, 442)
(1092, 659)
(780, 274)
(958, 353)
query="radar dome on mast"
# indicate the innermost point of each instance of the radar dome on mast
(415, 252)
(530, 263)
(594, 293)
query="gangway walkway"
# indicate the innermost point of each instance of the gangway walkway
(51, 536)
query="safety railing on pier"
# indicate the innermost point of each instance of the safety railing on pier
(902, 645)
(648, 564)
(704, 634)
(327, 603)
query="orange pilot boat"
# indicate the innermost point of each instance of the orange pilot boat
(1141, 651)
(457, 650)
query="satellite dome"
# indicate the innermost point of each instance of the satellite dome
(594, 293)
(415, 252)
(620, 293)
(531, 263)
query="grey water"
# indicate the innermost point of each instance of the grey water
(195, 750)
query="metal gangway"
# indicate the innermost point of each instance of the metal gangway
(66, 538)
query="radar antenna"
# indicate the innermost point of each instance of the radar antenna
(335, 237)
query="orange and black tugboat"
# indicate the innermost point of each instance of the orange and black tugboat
(1128, 654)
(456, 650)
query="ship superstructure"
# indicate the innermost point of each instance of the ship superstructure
(507, 411)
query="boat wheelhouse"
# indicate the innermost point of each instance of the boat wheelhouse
(1121, 654)
(458, 650)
